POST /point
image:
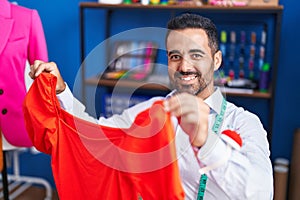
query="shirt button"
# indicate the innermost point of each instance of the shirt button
(1, 91)
(4, 111)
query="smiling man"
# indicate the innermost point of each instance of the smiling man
(222, 149)
(191, 61)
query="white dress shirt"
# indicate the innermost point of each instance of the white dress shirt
(234, 174)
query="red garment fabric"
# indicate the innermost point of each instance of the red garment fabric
(91, 161)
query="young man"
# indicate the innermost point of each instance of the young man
(233, 170)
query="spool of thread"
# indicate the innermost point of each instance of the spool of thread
(280, 182)
(223, 43)
(164, 2)
(264, 78)
(155, 2)
(294, 180)
(281, 162)
(145, 2)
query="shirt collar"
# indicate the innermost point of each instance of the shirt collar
(214, 101)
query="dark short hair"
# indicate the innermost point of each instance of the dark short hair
(188, 20)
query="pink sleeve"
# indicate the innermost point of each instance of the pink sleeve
(37, 47)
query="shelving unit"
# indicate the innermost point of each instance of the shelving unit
(275, 12)
(151, 86)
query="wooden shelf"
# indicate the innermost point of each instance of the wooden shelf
(161, 87)
(264, 9)
(255, 94)
(127, 84)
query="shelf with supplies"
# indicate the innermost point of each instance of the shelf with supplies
(144, 85)
(260, 20)
(127, 84)
(257, 9)
(276, 11)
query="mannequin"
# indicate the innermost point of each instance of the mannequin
(21, 39)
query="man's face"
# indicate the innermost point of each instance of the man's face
(191, 65)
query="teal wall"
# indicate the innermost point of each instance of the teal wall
(61, 24)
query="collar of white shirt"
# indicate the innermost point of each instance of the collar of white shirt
(214, 101)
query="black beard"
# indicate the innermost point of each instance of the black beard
(191, 89)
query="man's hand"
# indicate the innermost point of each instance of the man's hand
(39, 66)
(193, 114)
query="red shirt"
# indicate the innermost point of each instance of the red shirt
(91, 161)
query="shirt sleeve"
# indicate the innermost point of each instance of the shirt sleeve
(73, 106)
(244, 173)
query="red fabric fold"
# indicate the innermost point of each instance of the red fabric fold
(91, 161)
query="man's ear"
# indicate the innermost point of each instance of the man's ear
(217, 60)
